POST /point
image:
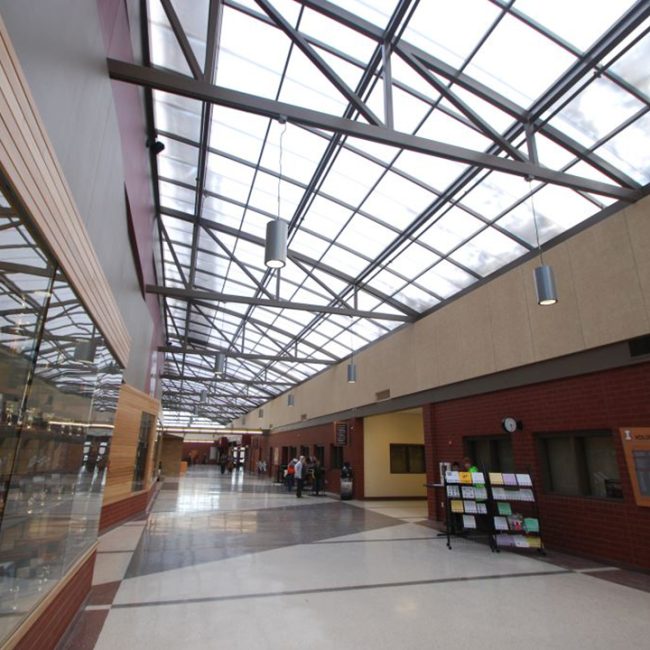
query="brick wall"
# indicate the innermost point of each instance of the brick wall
(119, 511)
(613, 530)
(323, 435)
(52, 624)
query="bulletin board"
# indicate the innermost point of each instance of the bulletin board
(636, 445)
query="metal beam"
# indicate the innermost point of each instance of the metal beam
(182, 39)
(197, 294)
(301, 43)
(177, 349)
(227, 380)
(185, 86)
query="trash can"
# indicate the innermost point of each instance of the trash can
(346, 489)
(346, 482)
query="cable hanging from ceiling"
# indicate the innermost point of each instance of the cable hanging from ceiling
(543, 274)
(275, 253)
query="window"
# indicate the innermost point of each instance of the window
(336, 455)
(580, 464)
(491, 453)
(146, 422)
(319, 452)
(304, 451)
(407, 459)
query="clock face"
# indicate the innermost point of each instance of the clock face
(510, 425)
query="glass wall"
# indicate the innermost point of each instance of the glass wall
(59, 385)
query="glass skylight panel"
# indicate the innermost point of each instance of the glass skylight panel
(442, 127)
(518, 62)
(336, 348)
(305, 85)
(348, 72)
(165, 50)
(178, 115)
(397, 201)
(308, 244)
(629, 150)
(412, 260)
(366, 235)
(382, 152)
(597, 111)
(498, 119)
(562, 205)
(408, 111)
(238, 133)
(445, 279)
(450, 30)
(416, 298)
(351, 177)
(633, 66)
(349, 263)
(488, 251)
(495, 194)
(228, 178)
(437, 173)
(178, 161)
(264, 196)
(387, 282)
(377, 12)
(326, 217)
(579, 22)
(301, 152)
(367, 330)
(175, 197)
(454, 227)
(549, 153)
(519, 222)
(336, 35)
(252, 63)
(366, 301)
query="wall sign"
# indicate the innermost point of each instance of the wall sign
(636, 445)
(341, 434)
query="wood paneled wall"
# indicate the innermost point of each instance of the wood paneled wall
(172, 450)
(28, 160)
(130, 406)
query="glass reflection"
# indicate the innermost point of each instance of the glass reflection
(58, 393)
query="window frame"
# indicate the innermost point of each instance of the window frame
(469, 443)
(579, 461)
(407, 446)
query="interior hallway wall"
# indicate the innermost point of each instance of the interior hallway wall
(380, 431)
(603, 280)
(62, 53)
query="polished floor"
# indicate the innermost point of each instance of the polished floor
(235, 562)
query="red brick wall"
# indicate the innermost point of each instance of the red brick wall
(52, 624)
(199, 450)
(323, 435)
(119, 511)
(616, 531)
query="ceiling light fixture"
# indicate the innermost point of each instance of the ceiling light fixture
(220, 364)
(275, 253)
(544, 280)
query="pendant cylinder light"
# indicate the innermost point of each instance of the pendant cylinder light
(275, 254)
(545, 285)
(220, 363)
(352, 373)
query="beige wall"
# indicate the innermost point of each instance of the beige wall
(379, 432)
(603, 281)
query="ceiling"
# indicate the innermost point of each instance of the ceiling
(419, 137)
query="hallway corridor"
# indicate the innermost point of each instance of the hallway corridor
(234, 561)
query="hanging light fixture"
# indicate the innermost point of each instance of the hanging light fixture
(275, 253)
(220, 364)
(544, 280)
(352, 367)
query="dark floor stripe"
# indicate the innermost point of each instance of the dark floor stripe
(366, 541)
(325, 590)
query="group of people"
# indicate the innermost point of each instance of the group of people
(304, 472)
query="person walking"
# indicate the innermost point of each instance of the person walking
(300, 476)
